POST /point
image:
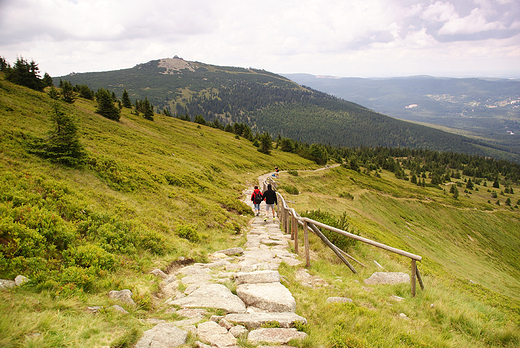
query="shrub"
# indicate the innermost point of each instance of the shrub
(79, 277)
(293, 172)
(346, 195)
(89, 255)
(188, 232)
(290, 189)
(341, 241)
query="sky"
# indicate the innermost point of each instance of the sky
(344, 38)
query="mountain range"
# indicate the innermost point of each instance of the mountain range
(480, 108)
(268, 102)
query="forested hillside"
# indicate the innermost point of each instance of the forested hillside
(269, 102)
(485, 109)
(95, 195)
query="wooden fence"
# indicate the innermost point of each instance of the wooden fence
(290, 220)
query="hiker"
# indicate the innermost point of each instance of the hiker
(257, 198)
(276, 171)
(270, 201)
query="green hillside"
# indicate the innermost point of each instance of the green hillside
(484, 109)
(269, 102)
(470, 263)
(153, 193)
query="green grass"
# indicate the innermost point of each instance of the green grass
(149, 193)
(470, 265)
(152, 192)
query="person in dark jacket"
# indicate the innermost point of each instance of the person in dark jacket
(257, 198)
(270, 200)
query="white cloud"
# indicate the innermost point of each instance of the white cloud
(335, 37)
(440, 12)
(474, 23)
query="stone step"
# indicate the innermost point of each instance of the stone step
(271, 297)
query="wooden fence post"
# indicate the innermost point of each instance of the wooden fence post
(306, 244)
(293, 222)
(414, 275)
(295, 236)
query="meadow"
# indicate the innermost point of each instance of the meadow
(470, 265)
(152, 193)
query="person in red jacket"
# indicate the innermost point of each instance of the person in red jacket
(257, 198)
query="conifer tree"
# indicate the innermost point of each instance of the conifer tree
(200, 120)
(63, 145)
(47, 80)
(67, 92)
(147, 109)
(266, 143)
(106, 105)
(127, 103)
(24, 73)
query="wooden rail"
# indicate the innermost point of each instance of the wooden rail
(290, 220)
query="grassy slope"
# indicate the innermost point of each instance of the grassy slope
(131, 163)
(470, 264)
(155, 177)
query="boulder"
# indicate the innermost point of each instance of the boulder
(215, 334)
(389, 278)
(6, 284)
(238, 330)
(232, 251)
(273, 297)
(275, 335)
(212, 296)
(159, 273)
(123, 296)
(20, 279)
(164, 335)
(257, 277)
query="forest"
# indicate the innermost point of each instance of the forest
(285, 112)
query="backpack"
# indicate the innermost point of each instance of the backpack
(258, 198)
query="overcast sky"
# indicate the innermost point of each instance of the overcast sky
(347, 38)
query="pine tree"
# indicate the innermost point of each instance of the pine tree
(24, 73)
(67, 92)
(47, 80)
(106, 105)
(127, 103)
(200, 120)
(266, 144)
(455, 191)
(63, 145)
(147, 109)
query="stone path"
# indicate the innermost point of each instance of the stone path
(260, 298)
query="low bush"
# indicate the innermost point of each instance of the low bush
(346, 195)
(341, 241)
(188, 232)
(292, 190)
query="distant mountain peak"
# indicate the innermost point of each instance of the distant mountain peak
(174, 65)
